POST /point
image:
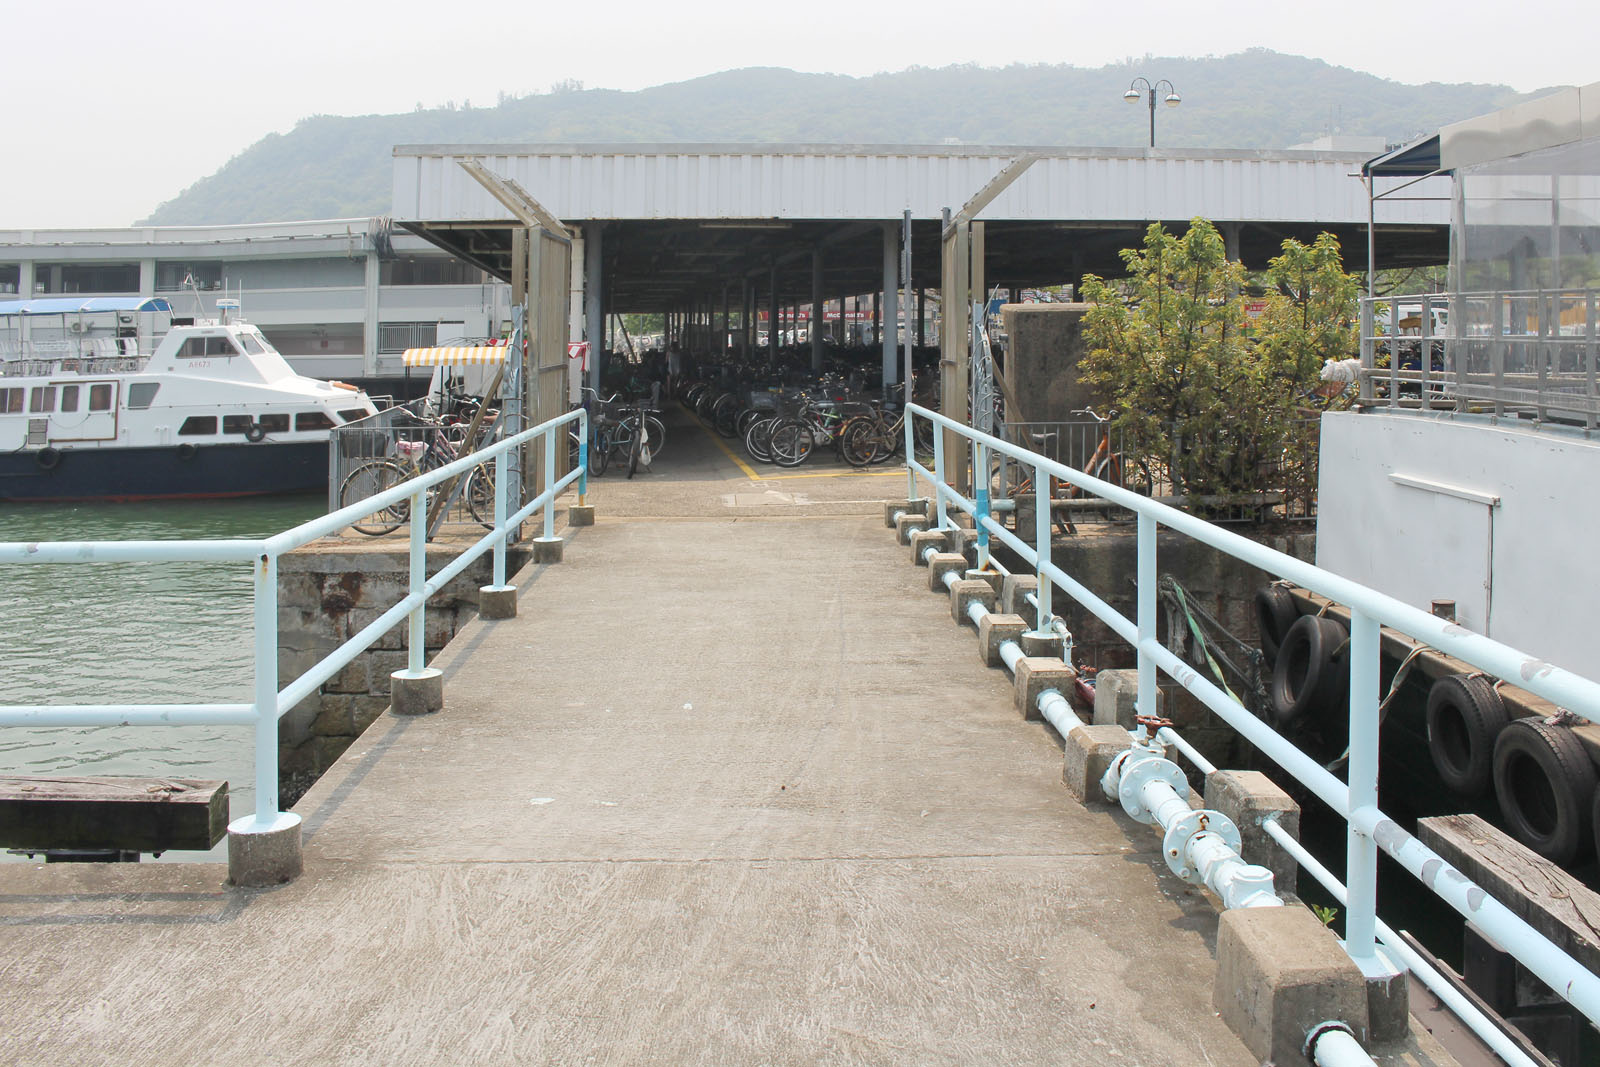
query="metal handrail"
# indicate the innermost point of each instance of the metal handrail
(1357, 803)
(269, 703)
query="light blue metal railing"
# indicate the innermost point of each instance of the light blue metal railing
(269, 703)
(1369, 830)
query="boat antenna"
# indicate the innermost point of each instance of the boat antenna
(194, 287)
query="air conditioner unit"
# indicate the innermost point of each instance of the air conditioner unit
(78, 327)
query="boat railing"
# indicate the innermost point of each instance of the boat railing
(1354, 798)
(271, 697)
(83, 355)
(1529, 353)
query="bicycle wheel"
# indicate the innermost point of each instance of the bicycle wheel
(758, 440)
(368, 480)
(858, 441)
(480, 494)
(635, 445)
(658, 436)
(791, 442)
(725, 415)
(599, 452)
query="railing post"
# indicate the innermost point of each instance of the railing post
(416, 637)
(1147, 613)
(1041, 544)
(938, 479)
(1362, 852)
(550, 478)
(501, 465)
(1367, 345)
(911, 449)
(266, 688)
(980, 480)
(583, 455)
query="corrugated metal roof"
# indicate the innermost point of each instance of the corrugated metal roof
(842, 182)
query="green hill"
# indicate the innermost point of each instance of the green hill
(330, 166)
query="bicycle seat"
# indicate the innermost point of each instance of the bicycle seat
(1043, 438)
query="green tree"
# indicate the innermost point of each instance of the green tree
(1222, 405)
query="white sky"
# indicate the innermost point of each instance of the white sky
(113, 107)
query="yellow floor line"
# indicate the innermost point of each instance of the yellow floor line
(838, 474)
(716, 439)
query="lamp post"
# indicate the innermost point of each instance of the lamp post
(1141, 87)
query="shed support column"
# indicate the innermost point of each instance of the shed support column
(369, 317)
(594, 329)
(922, 317)
(772, 316)
(147, 278)
(815, 329)
(890, 304)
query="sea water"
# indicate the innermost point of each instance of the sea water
(134, 633)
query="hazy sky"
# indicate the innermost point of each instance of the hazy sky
(113, 107)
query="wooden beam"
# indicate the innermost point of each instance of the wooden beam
(996, 185)
(131, 814)
(515, 199)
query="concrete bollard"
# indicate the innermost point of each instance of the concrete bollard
(942, 564)
(1115, 694)
(580, 515)
(547, 549)
(1088, 752)
(906, 525)
(1280, 972)
(267, 855)
(963, 593)
(1042, 643)
(995, 630)
(497, 602)
(1035, 675)
(1249, 798)
(922, 540)
(972, 574)
(910, 507)
(416, 694)
(1014, 592)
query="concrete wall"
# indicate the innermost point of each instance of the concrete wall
(1044, 343)
(329, 590)
(1503, 525)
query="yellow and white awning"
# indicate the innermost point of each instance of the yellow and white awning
(455, 356)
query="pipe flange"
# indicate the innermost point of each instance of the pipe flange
(1136, 774)
(1175, 843)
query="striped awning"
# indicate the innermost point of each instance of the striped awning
(454, 355)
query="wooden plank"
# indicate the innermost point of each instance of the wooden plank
(1540, 893)
(135, 814)
(1467, 1047)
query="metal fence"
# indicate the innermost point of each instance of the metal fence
(268, 702)
(1369, 830)
(1524, 353)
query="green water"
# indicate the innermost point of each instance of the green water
(134, 633)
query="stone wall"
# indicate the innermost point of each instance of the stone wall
(328, 591)
(1044, 343)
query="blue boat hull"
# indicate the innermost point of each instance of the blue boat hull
(172, 472)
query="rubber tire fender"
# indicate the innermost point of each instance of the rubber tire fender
(1465, 716)
(1275, 613)
(1545, 784)
(187, 451)
(48, 458)
(1307, 680)
(255, 432)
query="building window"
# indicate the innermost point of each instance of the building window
(198, 426)
(399, 336)
(140, 395)
(86, 277)
(429, 270)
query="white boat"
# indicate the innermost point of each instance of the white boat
(212, 411)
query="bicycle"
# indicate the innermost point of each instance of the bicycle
(414, 458)
(1112, 466)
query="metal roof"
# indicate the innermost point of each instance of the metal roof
(75, 305)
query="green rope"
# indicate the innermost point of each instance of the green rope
(1199, 639)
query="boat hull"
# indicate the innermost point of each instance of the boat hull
(170, 472)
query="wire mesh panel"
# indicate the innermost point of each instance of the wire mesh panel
(382, 450)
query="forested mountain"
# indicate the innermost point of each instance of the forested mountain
(331, 167)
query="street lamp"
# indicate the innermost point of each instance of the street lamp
(1142, 87)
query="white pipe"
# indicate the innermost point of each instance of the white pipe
(1336, 1046)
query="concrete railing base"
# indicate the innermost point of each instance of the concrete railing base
(547, 549)
(421, 693)
(580, 515)
(497, 602)
(1088, 751)
(265, 855)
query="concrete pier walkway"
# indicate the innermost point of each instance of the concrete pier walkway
(731, 789)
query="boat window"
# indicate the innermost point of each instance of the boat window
(69, 398)
(100, 397)
(312, 420)
(43, 399)
(251, 345)
(140, 394)
(198, 426)
(197, 347)
(10, 400)
(352, 414)
(236, 423)
(275, 423)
